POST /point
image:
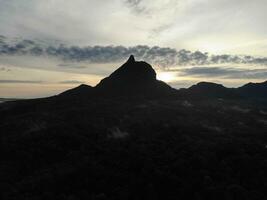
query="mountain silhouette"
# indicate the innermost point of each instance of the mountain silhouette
(133, 78)
(138, 78)
(130, 74)
(82, 89)
(208, 89)
(254, 90)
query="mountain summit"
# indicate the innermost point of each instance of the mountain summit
(134, 78)
(130, 73)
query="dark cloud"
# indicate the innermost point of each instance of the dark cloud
(20, 81)
(135, 5)
(19, 47)
(161, 56)
(233, 73)
(3, 69)
(133, 2)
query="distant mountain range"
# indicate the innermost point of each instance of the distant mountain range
(139, 79)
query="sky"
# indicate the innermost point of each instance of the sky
(48, 46)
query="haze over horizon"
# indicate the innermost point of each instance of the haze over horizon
(49, 46)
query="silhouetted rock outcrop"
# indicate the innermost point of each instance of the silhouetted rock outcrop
(130, 74)
(133, 78)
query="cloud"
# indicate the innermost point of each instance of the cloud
(225, 72)
(71, 65)
(21, 81)
(11, 81)
(160, 56)
(3, 69)
(214, 26)
(135, 5)
(71, 82)
(133, 2)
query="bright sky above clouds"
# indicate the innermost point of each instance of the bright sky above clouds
(47, 46)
